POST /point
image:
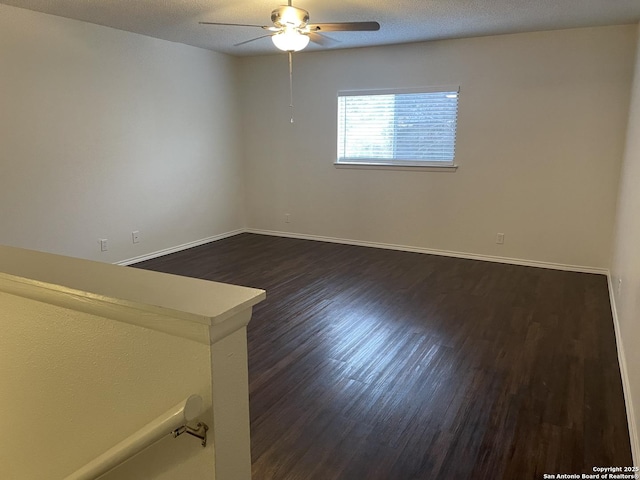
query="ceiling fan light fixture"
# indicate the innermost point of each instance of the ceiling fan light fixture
(290, 40)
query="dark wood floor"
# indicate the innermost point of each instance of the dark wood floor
(371, 364)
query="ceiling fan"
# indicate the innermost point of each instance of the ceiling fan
(291, 30)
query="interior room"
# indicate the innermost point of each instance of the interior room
(133, 134)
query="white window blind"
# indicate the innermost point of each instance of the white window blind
(398, 127)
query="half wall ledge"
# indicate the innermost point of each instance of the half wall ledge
(199, 310)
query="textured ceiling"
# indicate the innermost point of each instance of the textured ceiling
(401, 21)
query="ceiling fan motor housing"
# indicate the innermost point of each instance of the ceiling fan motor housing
(291, 17)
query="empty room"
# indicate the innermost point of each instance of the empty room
(347, 240)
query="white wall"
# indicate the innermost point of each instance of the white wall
(72, 385)
(540, 139)
(626, 261)
(103, 132)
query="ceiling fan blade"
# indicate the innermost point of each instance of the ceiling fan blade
(321, 39)
(253, 40)
(345, 27)
(236, 25)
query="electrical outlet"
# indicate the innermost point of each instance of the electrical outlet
(135, 236)
(500, 238)
(103, 245)
(287, 218)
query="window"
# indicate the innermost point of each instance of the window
(398, 127)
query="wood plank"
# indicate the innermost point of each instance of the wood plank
(376, 364)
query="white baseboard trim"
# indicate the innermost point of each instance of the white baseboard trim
(179, 248)
(362, 243)
(626, 387)
(430, 251)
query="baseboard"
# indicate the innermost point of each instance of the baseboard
(179, 248)
(626, 387)
(362, 243)
(430, 251)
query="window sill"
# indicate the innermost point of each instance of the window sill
(391, 166)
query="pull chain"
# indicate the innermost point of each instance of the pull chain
(291, 84)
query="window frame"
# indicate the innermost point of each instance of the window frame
(391, 164)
